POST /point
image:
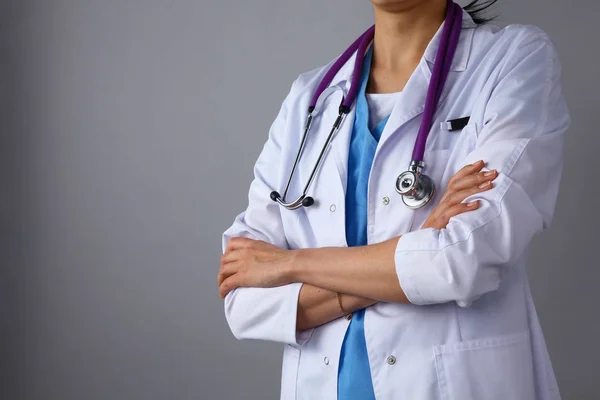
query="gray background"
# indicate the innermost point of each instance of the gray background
(128, 132)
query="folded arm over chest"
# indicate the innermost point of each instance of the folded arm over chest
(264, 313)
(285, 313)
(522, 137)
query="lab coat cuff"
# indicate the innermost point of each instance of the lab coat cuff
(293, 336)
(265, 314)
(303, 336)
(412, 259)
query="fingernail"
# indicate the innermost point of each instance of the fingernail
(490, 173)
(485, 184)
(477, 163)
(472, 203)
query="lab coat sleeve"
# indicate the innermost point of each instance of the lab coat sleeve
(522, 137)
(265, 313)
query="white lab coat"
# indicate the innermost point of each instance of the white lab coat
(471, 331)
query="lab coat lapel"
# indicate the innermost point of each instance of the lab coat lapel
(408, 107)
(412, 103)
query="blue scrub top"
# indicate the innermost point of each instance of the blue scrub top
(354, 374)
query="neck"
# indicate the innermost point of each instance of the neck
(403, 32)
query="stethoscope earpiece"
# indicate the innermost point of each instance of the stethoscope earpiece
(308, 201)
(275, 195)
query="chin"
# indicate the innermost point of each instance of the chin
(400, 5)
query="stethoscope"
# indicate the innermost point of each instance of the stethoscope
(416, 188)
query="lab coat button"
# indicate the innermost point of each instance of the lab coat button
(386, 201)
(326, 361)
(391, 360)
(332, 208)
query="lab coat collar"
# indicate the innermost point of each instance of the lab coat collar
(408, 107)
(463, 50)
(459, 61)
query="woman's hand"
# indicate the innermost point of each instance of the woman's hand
(253, 263)
(466, 182)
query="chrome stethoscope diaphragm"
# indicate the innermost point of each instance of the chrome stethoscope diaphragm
(415, 187)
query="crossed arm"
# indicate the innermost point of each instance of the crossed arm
(363, 275)
(282, 292)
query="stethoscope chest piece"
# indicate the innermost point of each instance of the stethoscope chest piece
(416, 188)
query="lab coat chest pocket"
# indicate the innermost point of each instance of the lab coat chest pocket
(289, 372)
(443, 139)
(445, 148)
(469, 370)
(445, 157)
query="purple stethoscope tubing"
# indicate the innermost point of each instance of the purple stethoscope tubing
(363, 40)
(445, 52)
(416, 188)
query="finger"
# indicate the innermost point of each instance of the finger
(238, 243)
(231, 256)
(458, 197)
(245, 243)
(226, 271)
(228, 285)
(474, 180)
(467, 170)
(460, 209)
(443, 217)
(220, 277)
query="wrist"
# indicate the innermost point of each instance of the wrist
(353, 303)
(294, 270)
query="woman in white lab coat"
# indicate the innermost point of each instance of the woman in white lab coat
(435, 302)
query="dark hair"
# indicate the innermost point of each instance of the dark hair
(475, 8)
